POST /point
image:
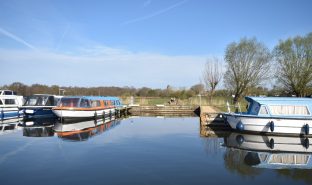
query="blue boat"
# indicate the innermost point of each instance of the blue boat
(273, 115)
(40, 105)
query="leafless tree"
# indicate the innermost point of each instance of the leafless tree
(212, 74)
(248, 64)
(294, 59)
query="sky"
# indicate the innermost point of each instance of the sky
(151, 43)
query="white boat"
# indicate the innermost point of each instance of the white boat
(19, 99)
(274, 152)
(273, 115)
(9, 107)
(78, 107)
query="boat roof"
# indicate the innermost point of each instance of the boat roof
(94, 97)
(279, 100)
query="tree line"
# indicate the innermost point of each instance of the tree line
(169, 91)
(249, 64)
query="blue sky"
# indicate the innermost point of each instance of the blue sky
(136, 43)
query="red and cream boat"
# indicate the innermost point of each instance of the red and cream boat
(81, 107)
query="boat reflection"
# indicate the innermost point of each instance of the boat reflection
(38, 127)
(9, 126)
(274, 152)
(84, 130)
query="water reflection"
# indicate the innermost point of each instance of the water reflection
(68, 131)
(9, 126)
(39, 127)
(84, 130)
(261, 151)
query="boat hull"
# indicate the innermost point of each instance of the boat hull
(38, 112)
(9, 113)
(293, 126)
(68, 113)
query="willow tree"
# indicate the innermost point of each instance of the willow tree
(294, 59)
(212, 74)
(248, 64)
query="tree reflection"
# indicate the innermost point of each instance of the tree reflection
(238, 160)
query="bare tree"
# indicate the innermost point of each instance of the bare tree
(212, 74)
(294, 58)
(248, 64)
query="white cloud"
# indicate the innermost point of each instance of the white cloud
(101, 65)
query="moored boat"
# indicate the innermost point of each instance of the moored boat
(85, 107)
(9, 106)
(40, 105)
(273, 115)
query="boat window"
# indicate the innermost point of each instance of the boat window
(41, 101)
(84, 103)
(254, 108)
(105, 103)
(289, 110)
(56, 101)
(95, 103)
(69, 102)
(263, 110)
(50, 101)
(9, 101)
(1, 102)
(8, 93)
(31, 101)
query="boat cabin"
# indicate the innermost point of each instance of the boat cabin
(7, 92)
(89, 102)
(279, 106)
(41, 100)
(7, 100)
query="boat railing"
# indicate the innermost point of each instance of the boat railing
(237, 108)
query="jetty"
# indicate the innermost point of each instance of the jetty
(163, 110)
(210, 116)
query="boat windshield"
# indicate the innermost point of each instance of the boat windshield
(69, 102)
(7, 92)
(36, 101)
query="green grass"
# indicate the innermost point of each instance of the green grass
(218, 102)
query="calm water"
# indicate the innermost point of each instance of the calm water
(143, 150)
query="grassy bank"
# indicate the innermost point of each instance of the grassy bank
(218, 102)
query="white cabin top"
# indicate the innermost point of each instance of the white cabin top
(7, 92)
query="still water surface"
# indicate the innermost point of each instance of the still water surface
(143, 150)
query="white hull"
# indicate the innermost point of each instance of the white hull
(82, 114)
(261, 124)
